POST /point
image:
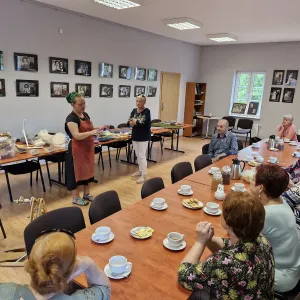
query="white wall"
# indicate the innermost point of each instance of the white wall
(219, 64)
(29, 28)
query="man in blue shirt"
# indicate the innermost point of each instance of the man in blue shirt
(223, 143)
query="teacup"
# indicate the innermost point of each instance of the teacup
(297, 154)
(213, 170)
(158, 202)
(185, 189)
(255, 145)
(255, 154)
(259, 159)
(175, 239)
(118, 264)
(212, 207)
(293, 143)
(102, 233)
(273, 159)
(239, 187)
(286, 140)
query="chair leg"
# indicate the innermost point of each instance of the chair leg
(161, 147)
(250, 138)
(246, 140)
(62, 167)
(42, 179)
(48, 172)
(109, 157)
(2, 228)
(37, 177)
(31, 179)
(101, 158)
(8, 186)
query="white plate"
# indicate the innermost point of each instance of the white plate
(274, 163)
(287, 141)
(210, 172)
(215, 214)
(187, 206)
(233, 189)
(168, 246)
(250, 164)
(161, 208)
(295, 156)
(110, 238)
(107, 271)
(273, 149)
(189, 194)
(293, 144)
(135, 236)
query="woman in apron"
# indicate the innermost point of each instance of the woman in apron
(80, 159)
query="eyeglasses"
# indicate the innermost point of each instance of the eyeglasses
(71, 234)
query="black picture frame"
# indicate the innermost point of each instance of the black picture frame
(27, 88)
(288, 95)
(59, 89)
(1, 61)
(83, 68)
(2, 88)
(26, 62)
(125, 72)
(275, 94)
(106, 70)
(291, 77)
(278, 77)
(139, 90)
(140, 74)
(124, 91)
(58, 65)
(253, 108)
(106, 91)
(152, 75)
(238, 108)
(151, 91)
(84, 89)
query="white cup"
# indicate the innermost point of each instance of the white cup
(185, 189)
(273, 159)
(102, 233)
(175, 239)
(293, 143)
(297, 154)
(118, 264)
(213, 170)
(259, 159)
(286, 140)
(239, 187)
(255, 145)
(212, 207)
(158, 202)
(255, 153)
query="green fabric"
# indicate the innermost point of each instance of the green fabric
(166, 126)
(72, 96)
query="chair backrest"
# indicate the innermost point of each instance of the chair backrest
(298, 137)
(245, 124)
(122, 125)
(205, 149)
(231, 120)
(69, 218)
(103, 206)
(152, 186)
(111, 127)
(180, 171)
(240, 145)
(155, 121)
(202, 161)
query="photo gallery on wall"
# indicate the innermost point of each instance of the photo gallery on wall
(59, 89)
(285, 82)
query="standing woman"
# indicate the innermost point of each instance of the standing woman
(80, 159)
(140, 120)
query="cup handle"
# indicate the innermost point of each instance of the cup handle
(129, 266)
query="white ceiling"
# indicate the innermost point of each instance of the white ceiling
(252, 21)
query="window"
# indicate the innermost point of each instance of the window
(247, 94)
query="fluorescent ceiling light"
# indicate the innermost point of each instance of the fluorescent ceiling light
(183, 23)
(118, 4)
(222, 37)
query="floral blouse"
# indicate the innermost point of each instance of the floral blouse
(243, 271)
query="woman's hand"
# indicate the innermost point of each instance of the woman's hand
(133, 122)
(94, 132)
(82, 264)
(204, 232)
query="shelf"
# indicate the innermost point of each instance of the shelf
(197, 126)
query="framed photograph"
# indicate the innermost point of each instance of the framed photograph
(238, 108)
(125, 72)
(2, 88)
(26, 62)
(140, 74)
(59, 89)
(85, 90)
(124, 91)
(253, 108)
(27, 88)
(151, 91)
(83, 68)
(106, 90)
(139, 90)
(288, 95)
(1, 61)
(106, 70)
(152, 75)
(275, 94)
(58, 65)
(291, 77)
(278, 77)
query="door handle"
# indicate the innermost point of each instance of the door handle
(163, 106)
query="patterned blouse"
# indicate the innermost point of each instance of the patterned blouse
(243, 271)
(294, 171)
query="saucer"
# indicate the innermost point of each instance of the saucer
(108, 272)
(295, 156)
(146, 235)
(233, 189)
(273, 149)
(188, 194)
(110, 238)
(161, 208)
(168, 246)
(210, 172)
(219, 212)
(293, 144)
(274, 163)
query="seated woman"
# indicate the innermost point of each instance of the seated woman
(287, 130)
(294, 171)
(280, 225)
(241, 266)
(52, 263)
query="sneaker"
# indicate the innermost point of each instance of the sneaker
(88, 197)
(137, 174)
(79, 201)
(142, 179)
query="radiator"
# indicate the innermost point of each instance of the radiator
(255, 130)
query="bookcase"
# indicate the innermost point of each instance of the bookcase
(194, 106)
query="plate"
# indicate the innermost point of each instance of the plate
(293, 144)
(168, 246)
(274, 163)
(146, 236)
(189, 194)
(273, 149)
(161, 208)
(210, 172)
(191, 207)
(287, 141)
(254, 164)
(219, 212)
(107, 271)
(295, 156)
(233, 189)
(110, 238)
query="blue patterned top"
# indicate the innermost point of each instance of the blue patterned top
(226, 144)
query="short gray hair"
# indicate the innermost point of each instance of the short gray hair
(289, 117)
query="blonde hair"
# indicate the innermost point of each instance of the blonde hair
(141, 97)
(51, 262)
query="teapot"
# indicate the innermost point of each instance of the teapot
(272, 142)
(220, 194)
(236, 169)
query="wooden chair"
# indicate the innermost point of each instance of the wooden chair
(152, 186)
(202, 161)
(244, 127)
(180, 171)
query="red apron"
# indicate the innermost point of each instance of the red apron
(83, 153)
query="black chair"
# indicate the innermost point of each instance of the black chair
(68, 218)
(180, 171)
(163, 134)
(202, 161)
(206, 146)
(123, 125)
(98, 150)
(231, 121)
(152, 186)
(103, 206)
(298, 137)
(244, 126)
(20, 169)
(2, 227)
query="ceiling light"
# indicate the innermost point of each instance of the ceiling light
(183, 23)
(222, 37)
(118, 4)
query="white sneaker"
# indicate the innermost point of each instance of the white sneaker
(142, 179)
(136, 174)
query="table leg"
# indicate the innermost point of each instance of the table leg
(129, 158)
(177, 143)
(207, 128)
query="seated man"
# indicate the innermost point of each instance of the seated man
(223, 143)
